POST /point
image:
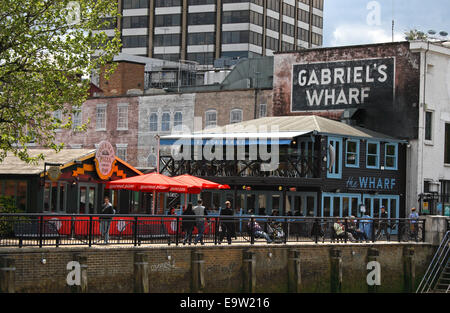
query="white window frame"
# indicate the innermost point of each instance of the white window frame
(236, 111)
(122, 147)
(426, 141)
(102, 106)
(175, 120)
(150, 121)
(122, 122)
(261, 106)
(206, 118)
(77, 119)
(58, 115)
(162, 121)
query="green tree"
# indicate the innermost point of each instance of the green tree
(47, 49)
(415, 34)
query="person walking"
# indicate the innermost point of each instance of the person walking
(200, 210)
(105, 221)
(226, 224)
(188, 224)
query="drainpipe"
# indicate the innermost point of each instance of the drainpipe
(422, 121)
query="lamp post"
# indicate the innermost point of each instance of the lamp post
(157, 137)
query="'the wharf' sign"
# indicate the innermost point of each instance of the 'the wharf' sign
(343, 84)
(371, 183)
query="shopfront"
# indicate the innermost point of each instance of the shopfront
(322, 167)
(71, 181)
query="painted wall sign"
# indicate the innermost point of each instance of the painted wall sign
(371, 183)
(343, 84)
(54, 172)
(104, 160)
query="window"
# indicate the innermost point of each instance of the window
(429, 125)
(134, 41)
(167, 20)
(236, 17)
(273, 24)
(201, 58)
(262, 110)
(100, 117)
(235, 116)
(373, 155)
(352, 153)
(153, 122)
(135, 22)
(256, 18)
(76, 119)
(447, 144)
(200, 2)
(57, 118)
(390, 156)
(210, 118)
(135, 4)
(178, 119)
(203, 18)
(167, 40)
(165, 122)
(167, 3)
(122, 117)
(121, 151)
(235, 37)
(334, 164)
(200, 39)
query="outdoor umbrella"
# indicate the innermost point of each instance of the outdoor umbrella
(198, 182)
(153, 182)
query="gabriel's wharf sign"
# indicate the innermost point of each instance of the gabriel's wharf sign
(342, 84)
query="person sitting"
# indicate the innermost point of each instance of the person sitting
(355, 231)
(340, 231)
(258, 231)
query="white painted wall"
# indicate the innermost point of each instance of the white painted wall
(427, 157)
(147, 144)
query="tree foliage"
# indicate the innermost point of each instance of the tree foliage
(47, 48)
(414, 34)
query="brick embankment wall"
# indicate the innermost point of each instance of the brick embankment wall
(223, 268)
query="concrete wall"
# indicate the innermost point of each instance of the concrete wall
(218, 269)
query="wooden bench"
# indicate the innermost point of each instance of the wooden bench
(31, 230)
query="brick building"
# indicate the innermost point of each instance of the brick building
(114, 119)
(398, 89)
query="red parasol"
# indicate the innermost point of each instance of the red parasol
(153, 182)
(199, 182)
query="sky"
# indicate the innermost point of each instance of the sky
(350, 22)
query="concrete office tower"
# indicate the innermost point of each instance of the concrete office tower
(206, 30)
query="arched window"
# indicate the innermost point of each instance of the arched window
(165, 122)
(153, 122)
(178, 119)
